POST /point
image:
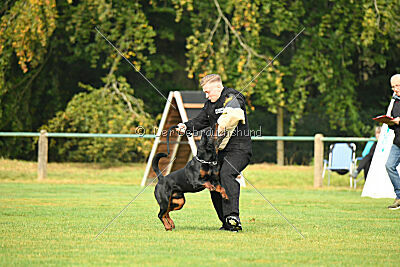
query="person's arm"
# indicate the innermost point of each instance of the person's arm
(199, 122)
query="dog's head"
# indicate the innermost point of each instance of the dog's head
(206, 149)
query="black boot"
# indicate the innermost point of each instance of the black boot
(232, 223)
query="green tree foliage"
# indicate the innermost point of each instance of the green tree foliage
(122, 22)
(345, 42)
(56, 47)
(25, 31)
(110, 109)
(237, 39)
(332, 79)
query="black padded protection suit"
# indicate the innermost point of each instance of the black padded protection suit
(234, 157)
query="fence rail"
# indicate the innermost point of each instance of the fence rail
(254, 138)
(318, 139)
(77, 135)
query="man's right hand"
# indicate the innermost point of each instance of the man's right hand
(181, 128)
(395, 121)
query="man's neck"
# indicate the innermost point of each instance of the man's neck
(220, 94)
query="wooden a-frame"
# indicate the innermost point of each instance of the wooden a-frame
(180, 107)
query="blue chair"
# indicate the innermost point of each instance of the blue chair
(342, 159)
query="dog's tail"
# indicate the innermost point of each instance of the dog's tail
(156, 159)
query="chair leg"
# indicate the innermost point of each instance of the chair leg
(353, 169)
(329, 177)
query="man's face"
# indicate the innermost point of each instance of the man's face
(396, 86)
(377, 133)
(213, 91)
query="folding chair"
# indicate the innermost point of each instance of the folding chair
(342, 158)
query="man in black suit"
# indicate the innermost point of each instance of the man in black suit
(227, 107)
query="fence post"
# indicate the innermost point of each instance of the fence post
(42, 155)
(280, 147)
(318, 160)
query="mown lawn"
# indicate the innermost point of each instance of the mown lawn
(55, 221)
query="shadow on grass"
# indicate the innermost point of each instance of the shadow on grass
(197, 228)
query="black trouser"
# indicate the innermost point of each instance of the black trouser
(365, 163)
(231, 162)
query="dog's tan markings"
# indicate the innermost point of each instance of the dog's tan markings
(167, 225)
(209, 186)
(174, 204)
(179, 202)
(222, 191)
(202, 173)
(165, 221)
(171, 222)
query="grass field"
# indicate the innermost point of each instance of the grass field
(55, 221)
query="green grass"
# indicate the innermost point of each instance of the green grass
(55, 221)
(260, 175)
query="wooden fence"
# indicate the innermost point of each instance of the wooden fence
(318, 139)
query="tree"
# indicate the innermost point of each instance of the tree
(25, 32)
(332, 79)
(347, 43)
(56, 47)
(231, 38)
(110, 109)
(344, 43)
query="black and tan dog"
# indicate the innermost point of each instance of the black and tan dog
(199, 173)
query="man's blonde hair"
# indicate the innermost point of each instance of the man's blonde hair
(210, 78)
(394, 77)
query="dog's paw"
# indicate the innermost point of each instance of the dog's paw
(209, 186)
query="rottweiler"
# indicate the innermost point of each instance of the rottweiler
(199, 173)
